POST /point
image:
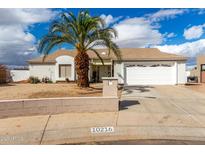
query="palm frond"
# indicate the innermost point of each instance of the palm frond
(82, 31)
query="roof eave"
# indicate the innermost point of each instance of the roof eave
(154, 59)
(32, 62)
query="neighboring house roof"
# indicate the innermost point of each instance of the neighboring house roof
(127, 54)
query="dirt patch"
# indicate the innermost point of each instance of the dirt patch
(24, 91)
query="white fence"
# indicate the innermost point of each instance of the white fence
(19, 75)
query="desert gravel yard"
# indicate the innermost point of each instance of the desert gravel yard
(25, 91)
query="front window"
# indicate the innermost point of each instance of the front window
(64, 71)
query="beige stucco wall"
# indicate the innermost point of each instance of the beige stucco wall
(110, 87)
(196, 71)
(26, 107)
(200, 60)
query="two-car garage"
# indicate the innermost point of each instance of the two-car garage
(150, 66)
(163, 73)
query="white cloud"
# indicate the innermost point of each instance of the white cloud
(201, 11)
(137, 32)
(144, 31)
(193, 32)
(16, 42)
(19, 35)
(25, 16)
(109, 19)
(190, 49)
(166, 14)
(170, 35)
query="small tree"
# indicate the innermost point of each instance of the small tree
(85, 33)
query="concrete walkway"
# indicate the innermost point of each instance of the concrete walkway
(146, 112)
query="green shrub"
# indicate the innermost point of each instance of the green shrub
(34, 80)
(46, 80)
(50, 81)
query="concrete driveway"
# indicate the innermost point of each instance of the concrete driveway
(163, 99)
(171, 111)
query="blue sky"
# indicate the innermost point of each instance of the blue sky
(179, 31)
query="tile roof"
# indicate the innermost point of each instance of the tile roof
(127, 54)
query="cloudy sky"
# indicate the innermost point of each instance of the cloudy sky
(179, 31)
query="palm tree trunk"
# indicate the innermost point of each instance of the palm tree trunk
(82, 68)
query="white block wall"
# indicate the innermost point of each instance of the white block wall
(19, 75)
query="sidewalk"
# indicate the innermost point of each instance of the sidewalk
(75, 128)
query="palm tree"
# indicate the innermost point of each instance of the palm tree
(83, 32)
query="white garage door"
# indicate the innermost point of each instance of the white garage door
(156, 74)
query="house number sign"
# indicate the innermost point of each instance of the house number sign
(102, 129)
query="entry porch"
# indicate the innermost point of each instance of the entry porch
(98, 70)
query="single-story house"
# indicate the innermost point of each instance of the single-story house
(199, 70)
(139, 66)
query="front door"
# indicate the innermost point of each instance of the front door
(104, 71)
(99, 71)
